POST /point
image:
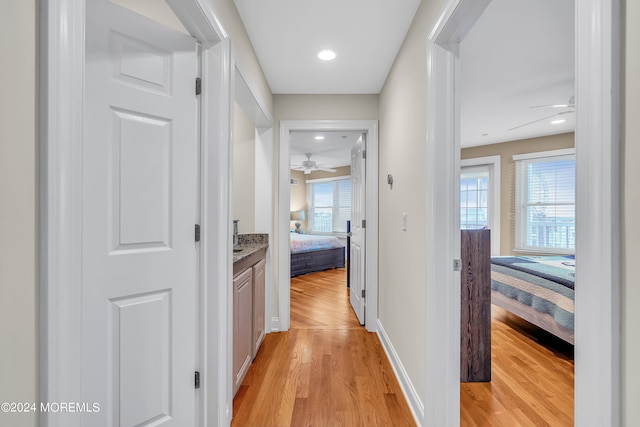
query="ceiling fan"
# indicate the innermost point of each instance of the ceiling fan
(309, 166)
(570, 106)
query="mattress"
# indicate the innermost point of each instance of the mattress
(544, 283)
(311, 242)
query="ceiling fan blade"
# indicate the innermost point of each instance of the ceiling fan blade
(326, 169)
(570, 104)
(553, 106)
(540, 120)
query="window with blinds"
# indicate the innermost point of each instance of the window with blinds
(545, 202)
(329, 205)
(474, 197)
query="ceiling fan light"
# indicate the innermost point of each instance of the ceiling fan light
(327, 55)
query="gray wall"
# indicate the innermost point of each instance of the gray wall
(18, 208)
(402, 153)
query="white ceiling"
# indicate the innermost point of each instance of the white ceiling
(333, 151)
(287, 34)
(519, 54)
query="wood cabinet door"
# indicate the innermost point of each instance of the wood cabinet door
(242, 325)
(258, 305)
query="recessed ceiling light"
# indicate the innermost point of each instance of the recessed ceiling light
(327, 55)
(557, 122)
(319, 137)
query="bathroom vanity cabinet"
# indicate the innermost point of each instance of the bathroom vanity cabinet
(248, 311)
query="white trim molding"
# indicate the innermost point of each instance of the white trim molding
(62, 65)
(216, 238)
(335, 178)
(282, 322)
(543, 154)
(597, 325)
(442, 219)
(409, 391)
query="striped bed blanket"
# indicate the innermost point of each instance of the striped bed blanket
(545, 283)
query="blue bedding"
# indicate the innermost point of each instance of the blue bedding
(545, 283)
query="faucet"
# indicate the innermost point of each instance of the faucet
(235, 232)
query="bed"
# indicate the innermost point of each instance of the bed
(311, 253)
(539, 289)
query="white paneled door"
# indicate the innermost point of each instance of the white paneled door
(139, 263)
(357, 256)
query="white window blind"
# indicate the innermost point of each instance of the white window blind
(545, 202)
(329, 205)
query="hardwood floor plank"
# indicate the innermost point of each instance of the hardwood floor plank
(300, 415)
(397, 408)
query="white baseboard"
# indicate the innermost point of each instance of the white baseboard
(416, 406)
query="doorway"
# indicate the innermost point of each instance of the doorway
(327, 196)
(597, 360)
(370, 127)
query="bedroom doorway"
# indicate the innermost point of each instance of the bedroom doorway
(532, 117)
(290, 204)
(597, 373)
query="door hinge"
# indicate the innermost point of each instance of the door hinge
(364, 223)
(364, 154)
(364, 293)
(457, 265)
(196, 379)
(197, 233)
(198, 85)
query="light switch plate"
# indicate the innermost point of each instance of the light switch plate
(404, 221)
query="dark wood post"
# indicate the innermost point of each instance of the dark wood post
(475, 322)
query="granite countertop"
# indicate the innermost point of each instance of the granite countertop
(248, 245)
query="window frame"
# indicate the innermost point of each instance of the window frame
(494, 165)
(311, 205)
(520, 217)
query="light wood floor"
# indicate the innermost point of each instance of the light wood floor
(531, 378)
(329, 371)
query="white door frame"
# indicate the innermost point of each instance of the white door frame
(61, 94)
(597, 355)
(282, 322)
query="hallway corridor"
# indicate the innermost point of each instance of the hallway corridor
(327, 370)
